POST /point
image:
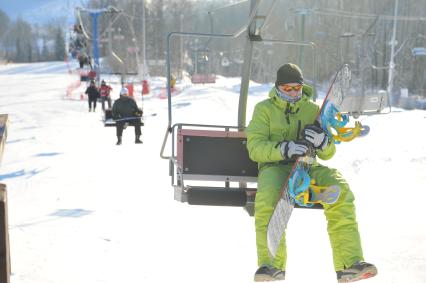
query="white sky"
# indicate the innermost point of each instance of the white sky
(82, 209)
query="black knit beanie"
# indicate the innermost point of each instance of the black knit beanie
(289, 73)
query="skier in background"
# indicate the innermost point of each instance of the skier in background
(93, 95)
(105, 91)
(125, 110)
(282, 129)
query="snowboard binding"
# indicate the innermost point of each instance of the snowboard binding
(334, 124)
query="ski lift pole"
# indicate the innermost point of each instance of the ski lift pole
(95, 16)
(95, 35)
(392, 55)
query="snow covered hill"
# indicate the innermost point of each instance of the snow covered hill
(84, 210)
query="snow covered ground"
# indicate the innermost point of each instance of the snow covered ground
(82, 209)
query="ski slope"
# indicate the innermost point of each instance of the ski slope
(82, 209)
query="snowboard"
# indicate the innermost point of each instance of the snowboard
(299, 188)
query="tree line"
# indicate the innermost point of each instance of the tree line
(21, 41)
(344, 31)
(355, 32)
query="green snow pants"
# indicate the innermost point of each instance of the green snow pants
(342, 226)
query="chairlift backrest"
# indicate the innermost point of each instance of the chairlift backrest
(214, 155)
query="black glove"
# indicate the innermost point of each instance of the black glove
(294, 149)
(316, 136)
(138, 113)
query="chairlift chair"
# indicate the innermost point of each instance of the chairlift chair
(202, 69)
(227, 175)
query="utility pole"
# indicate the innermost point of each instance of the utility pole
(145, 65)
(181, 46)
(303, 13)
(392, 55)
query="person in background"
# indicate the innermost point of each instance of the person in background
(283, 128)
(93, 95)
(125, 110)
(92, 73)
(172, 81)
(105, 91)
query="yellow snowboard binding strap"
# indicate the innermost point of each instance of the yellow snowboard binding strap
(318, 194)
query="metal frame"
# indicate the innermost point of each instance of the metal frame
(174, 157)
(5, 266)
(253, 36)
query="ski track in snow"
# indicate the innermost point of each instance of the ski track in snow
(83, 210)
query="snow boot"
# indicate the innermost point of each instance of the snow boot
(358, 271)
(118, 141)
(268, 273)
(137, 140)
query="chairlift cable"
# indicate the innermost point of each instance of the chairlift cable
(346, 14)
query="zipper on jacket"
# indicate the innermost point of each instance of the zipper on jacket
(288, 111)
(299, 126)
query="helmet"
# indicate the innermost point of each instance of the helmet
(124, 91)
(103, 82)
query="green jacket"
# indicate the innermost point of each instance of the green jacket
(275, 120)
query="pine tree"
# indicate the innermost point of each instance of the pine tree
(59, 45)
(45, 56)
(19, 57)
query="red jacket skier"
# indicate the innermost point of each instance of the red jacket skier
(105, 91)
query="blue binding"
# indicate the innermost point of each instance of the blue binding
(329, 120)
(299, 183)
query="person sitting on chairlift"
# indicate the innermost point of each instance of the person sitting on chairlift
(125, 110)
(283, 128)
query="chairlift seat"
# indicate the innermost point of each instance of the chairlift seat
(110, 122)
(215, 156)
(219, 158)
(107, 118)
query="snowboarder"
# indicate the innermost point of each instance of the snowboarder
(283, 128)
(105, 91)
(125, 110)
(93, 95)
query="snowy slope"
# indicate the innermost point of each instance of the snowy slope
(85, 210)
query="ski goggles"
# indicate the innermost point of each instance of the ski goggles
(288, 88)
